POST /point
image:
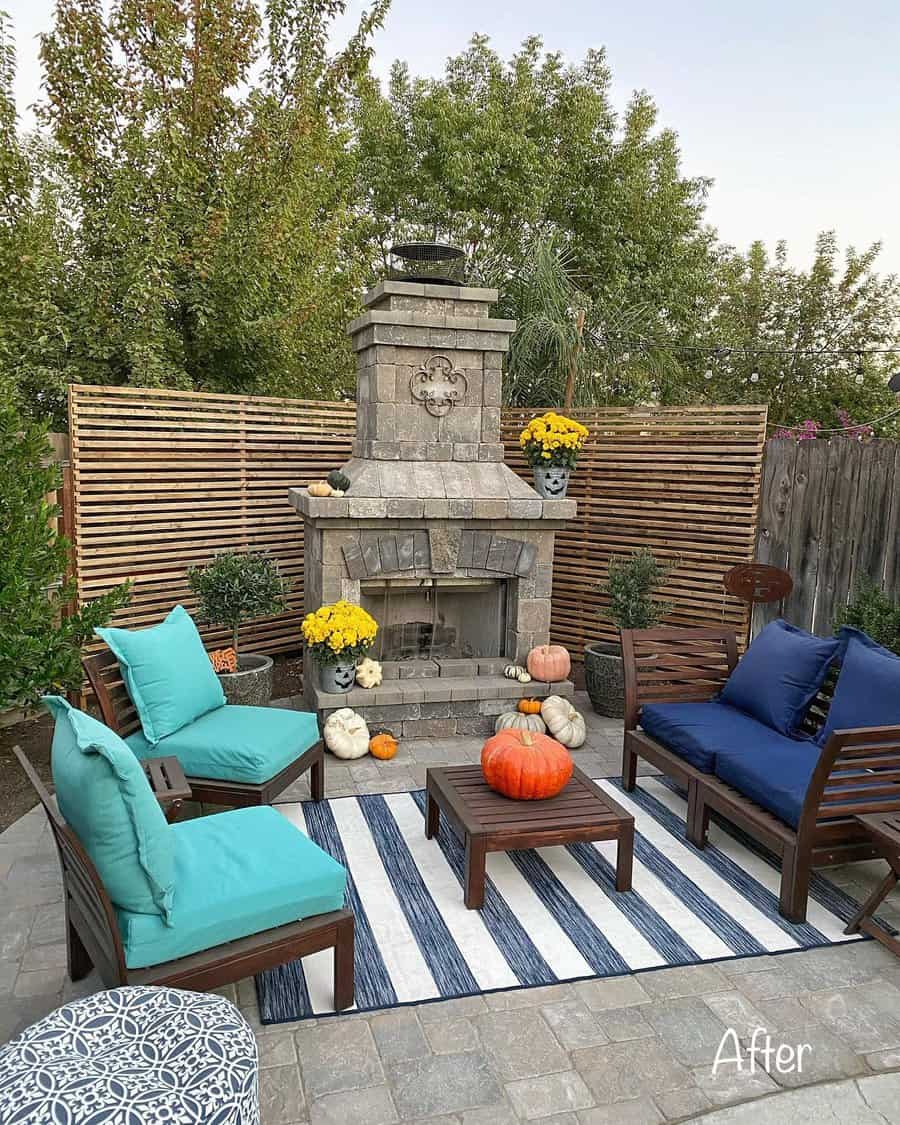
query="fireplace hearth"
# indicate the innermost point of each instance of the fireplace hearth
(436, 537)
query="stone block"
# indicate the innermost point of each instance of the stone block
(412, 450)
(436, 708)
(421, 550)
(387, 552)
(417, 669)
(353, 560)
(455, 667)
(490, 451)
(461, 509)
(527, 557)
(371, 555)
(491, 509)
(462, 424)
(437, 509)
(398, 508)
(477, 724)
(525, 509)
(439, 451)
(443, 540)
(368, 508)
(492, 666)
(429, 728)
(384, 383)
(388, 692)
(457, 480)
(384, 450)
(413, 691)
(492, 386)
(490, 424)
(465, 451)
(393, 713)
(463, 688)
(560, 509)
(442, 337)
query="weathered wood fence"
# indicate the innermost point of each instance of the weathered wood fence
(829, 514)
(164, 479)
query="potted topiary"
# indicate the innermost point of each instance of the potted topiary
(630, 585)
(232, 589)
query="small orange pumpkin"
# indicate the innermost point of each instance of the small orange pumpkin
(529, 706)
(383, 746)
(524, 765)
(549, 663)
(224, 659)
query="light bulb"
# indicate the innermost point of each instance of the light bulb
(859, 378)
(754, 378)
(708, 374)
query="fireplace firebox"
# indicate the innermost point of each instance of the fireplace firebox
(437, 618)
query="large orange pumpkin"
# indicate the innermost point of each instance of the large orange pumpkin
(524, 765)
(550, 663)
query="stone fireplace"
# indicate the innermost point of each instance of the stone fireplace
(437, 538)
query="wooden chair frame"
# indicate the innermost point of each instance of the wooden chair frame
(93, 937)
(858, 770)
(119, 714)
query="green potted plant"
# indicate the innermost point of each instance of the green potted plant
(631, 583)
(231, 590)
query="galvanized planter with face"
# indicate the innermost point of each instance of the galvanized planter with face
(551, 481)
(339, 677)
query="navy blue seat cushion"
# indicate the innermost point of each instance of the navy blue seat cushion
(775, 774)
(699, 732)
(867, 692)
(779, 675)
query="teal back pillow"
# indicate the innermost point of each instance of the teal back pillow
(104, 796)
(167, 672)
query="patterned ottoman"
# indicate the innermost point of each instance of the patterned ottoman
(133, 1056)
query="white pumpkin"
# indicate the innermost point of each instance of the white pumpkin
(517, 672)
(346, 734)
(563, 721)
(368, 673)
(515, 720)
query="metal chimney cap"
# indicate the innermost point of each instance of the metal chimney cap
(426, 251)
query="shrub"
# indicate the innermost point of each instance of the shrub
(630, 586)
(871, 610)
(41, 633)
(235, 588)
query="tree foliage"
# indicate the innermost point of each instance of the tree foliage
(40, 636)
(199, 235)
(235, 588)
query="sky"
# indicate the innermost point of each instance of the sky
(793, 108)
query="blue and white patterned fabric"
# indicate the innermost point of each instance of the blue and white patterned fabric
(133, 1056)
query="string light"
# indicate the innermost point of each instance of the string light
(708, 374)
(860, 370)
(754, 376)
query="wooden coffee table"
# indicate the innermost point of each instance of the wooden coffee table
(490, 822)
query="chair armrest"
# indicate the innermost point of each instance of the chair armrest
(858, 772)
(169, 785)
(674, 666)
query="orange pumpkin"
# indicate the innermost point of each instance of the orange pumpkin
(549, 663)
(524, 765)
(383, 746)
(529, 706)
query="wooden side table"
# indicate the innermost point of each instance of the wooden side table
(168, 783)
(490, 822)
(884, 832)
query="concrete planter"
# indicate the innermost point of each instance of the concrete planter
(604, 679)
(251, 684)
(339, 677)
(551, 481)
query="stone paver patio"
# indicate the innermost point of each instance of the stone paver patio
(630, 1050)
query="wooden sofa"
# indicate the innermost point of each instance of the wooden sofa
(858, 770)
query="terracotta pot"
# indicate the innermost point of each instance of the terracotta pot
(251, 684)
(604, 679)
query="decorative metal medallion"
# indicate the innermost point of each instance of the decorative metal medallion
(438, 385)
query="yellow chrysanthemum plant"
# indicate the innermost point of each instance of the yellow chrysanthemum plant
(551, 445)
(340, 633)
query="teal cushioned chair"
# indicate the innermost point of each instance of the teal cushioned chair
(236, 873)
(231, 755)
(234, 742)
(249, 892)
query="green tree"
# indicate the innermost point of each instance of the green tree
(201, 229)
(498, 153)
(765, 303)
(40, 634)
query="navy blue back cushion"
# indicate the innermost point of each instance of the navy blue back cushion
(779, 675)
(867, 692)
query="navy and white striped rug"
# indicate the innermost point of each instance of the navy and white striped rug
(549, 915)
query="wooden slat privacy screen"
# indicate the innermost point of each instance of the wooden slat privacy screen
(164, 479)
(683, 481)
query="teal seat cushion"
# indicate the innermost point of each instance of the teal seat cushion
(237, 873)
(107, 801)
(234, 743)
(167, 673)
